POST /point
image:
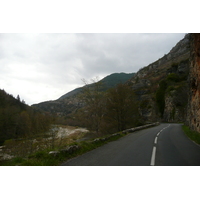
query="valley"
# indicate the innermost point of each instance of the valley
(172, 68)
(165, 91)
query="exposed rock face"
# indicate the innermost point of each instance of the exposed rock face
(193, 112)
(146, 84)
(176, 105)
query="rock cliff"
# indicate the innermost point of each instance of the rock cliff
(193, 109)
(161, 87)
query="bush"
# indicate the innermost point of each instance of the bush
(173, 77)
(193, 135)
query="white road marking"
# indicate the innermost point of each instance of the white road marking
(155, 141)
(162, 130)
(153, 157)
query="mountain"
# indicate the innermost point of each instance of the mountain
(68, 103)
(161, 87)
(108, 82)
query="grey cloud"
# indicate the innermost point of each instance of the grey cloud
(53, 64)
(121, 52)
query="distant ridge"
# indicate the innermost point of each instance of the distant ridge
(69, 102)
(71, 93)
(109, 81)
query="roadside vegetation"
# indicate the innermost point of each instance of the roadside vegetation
(107, 112)
(55, 156)
(26, 150)
(193, 135)
(35, 139)
(59, 154)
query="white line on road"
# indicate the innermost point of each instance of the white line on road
(155, 141)
(153, 156)
(162, 130)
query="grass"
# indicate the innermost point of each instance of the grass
(193, 135)
(43, 158)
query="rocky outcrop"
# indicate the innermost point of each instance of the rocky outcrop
(176, 105)
(193, 110)
(146, 84)
(68, 150)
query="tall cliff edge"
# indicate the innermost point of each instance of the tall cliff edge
(161, 87)
(193, 109)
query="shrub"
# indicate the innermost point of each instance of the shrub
(173, 77)
(193, 135)
(160, 96)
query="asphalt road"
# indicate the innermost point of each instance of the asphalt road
(163, 145)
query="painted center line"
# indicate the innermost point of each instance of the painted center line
(155, 141)
(153, 156)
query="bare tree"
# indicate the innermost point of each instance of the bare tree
(93, 98)
(121, 107)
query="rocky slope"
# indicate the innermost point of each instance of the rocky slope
(161, 87)
(193, 109)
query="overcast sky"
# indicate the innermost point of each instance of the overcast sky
(41, 67)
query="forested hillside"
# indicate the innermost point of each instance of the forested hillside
(18, 120)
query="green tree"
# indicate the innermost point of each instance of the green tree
(18, 98)
(24, 125)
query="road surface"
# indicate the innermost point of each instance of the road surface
(163, 145)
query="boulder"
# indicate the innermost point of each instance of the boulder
(54, 153)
